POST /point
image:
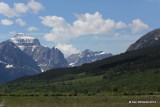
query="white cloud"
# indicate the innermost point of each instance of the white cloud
(20, 7)
(137, 25)
(67, 49)
(95, 24)
(86, 24)
(61, 32)
(32, 28)
(6, 10)
(35, 6)
(121, 25)
(20, 22)
(53, 21)
(6, 22)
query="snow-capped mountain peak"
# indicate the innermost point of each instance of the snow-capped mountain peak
(22, 41)
(86, 56)
(46, 58)
(22, 36)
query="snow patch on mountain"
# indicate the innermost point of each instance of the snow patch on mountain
(87, 56)
(22, 38)
(9, 66)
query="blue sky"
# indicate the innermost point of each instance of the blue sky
(75, 25)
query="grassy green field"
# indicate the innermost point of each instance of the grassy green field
(138, 83)
(80, 101)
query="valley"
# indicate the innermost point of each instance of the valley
(131, 73)
(75, 53)
(113, 81)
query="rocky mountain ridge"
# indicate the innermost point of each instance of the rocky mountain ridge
(46, 58)
(148, 40)
(86, 56)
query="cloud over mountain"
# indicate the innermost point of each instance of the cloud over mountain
(84, 25)
(137, 25)
(67, 49)
(32, 28)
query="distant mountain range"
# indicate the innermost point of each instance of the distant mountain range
(46, 58)
(24, 55)
(86, 56)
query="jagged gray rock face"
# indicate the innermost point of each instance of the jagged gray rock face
(15, 63)
(87, 56)
(47, 58)
(150, 39)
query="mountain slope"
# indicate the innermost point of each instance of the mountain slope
(47, 58)
(150, 39)
(87, 56)
(14, 63)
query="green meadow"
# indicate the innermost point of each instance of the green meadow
(80, 101)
